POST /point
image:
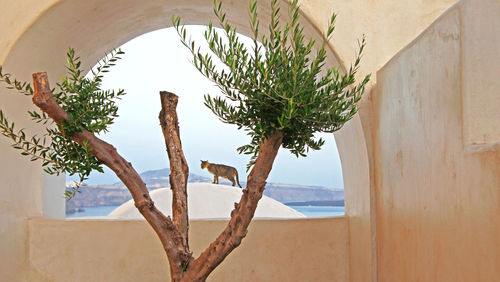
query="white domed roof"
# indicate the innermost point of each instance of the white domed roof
(208, 201)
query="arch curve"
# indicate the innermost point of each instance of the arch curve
(94, 27)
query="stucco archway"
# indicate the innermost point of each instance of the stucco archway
(94, 27)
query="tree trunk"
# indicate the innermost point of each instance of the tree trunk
(169, 235)
(179, 173)
(242, 214)
(173, 234)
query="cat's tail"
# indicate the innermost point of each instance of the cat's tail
(237, 179)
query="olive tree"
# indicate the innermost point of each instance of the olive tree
(279, 91)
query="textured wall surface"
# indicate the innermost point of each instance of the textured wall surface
(274, 250)
(481, 86)
(437, 205)
(35, 35)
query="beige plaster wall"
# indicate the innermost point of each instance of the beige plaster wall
(388, 25)
(35, 35)
(274, 250)
(481, 86)
(16, 17)
(437, 205)
(20, 194)
(21, 182)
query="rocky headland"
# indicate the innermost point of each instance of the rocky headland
(117, 193)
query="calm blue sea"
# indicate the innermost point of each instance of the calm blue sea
(309, 211)
(93, 211)
(320, 211)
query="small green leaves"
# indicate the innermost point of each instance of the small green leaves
(88, 107)
(34, 148)
(331, 26)
(22, 87)
(278, 84)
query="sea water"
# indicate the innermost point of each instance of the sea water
(308, 211)
(93, 211)
(320, 211)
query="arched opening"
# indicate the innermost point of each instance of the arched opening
(158, 60)
(94, 27)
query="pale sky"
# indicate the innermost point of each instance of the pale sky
(157, 61)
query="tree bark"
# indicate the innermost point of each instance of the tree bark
(242, 214)
(169, 235)
(173, 234)
(179, 171)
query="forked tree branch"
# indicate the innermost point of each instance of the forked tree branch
(242, 214)
(179, 170)
(169, 236)
(173, 235)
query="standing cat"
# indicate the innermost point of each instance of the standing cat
(220, 170)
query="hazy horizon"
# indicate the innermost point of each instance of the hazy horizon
(209, 177)
(157, 61)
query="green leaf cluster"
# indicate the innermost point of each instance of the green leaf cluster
(280, 84)
(22, 87)
(89, 108)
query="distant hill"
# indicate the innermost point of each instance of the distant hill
(301, 193)
(160, 178)
(337, 203)
(117, 193)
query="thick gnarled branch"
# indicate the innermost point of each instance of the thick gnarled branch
(173, 234)
(179, 170)
(241, 216)
(107, 154)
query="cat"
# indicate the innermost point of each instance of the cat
(220, 170)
